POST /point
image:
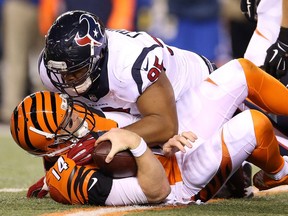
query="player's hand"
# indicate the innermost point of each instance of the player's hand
(121, 140)
(249, 9)
(81, 153)
(276, 61)
(177, 142)
(39, 189)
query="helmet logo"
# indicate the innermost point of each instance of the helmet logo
(93, 34)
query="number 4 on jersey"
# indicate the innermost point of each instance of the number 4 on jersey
(62, 165)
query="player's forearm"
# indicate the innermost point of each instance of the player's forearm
(152, 178)
(285, 14)
(159, 115)
(154, 129)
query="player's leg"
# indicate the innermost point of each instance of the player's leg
(262, 89)
(247, 135)
(207, 107)
(216, 99)
(211, 164)
(266, 155)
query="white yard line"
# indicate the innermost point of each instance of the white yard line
(13, 190)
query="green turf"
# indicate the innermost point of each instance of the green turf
(267, 205)
(19, 170)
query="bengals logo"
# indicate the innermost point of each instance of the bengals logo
(94, 32)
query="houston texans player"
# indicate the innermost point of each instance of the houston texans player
(121, 70)
(199, 170)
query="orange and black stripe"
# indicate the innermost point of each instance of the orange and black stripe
(215, 184)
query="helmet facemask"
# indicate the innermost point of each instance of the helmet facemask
(75, 87)
(69, 132)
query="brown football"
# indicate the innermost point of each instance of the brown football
(123, 164)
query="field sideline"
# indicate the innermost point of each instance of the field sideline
(19, 170)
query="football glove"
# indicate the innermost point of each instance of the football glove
(39, 189)
(249, 9)
(81, 153)
(276, 61)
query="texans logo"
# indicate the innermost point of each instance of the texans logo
(93, 32)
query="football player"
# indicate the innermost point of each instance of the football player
(49, 124)
(268, 46)
(198, 171)
(121, 70)
(42, 125)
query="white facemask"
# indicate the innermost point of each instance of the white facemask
(82, 131)
(84, 86)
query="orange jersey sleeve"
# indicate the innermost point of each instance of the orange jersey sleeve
(101, 122)
(72, 184)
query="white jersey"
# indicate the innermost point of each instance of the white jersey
(213, 105)
(198, 173)
(134, 62)
(267, 30)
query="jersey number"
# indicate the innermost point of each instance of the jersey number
(62, 165)
(155, 71)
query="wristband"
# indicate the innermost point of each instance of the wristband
(140, 150)
(283, 35)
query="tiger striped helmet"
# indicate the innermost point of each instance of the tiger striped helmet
(39, 124)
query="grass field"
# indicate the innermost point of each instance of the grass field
(18, 171)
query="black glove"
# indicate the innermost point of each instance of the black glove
(276, 61)
(249, 9)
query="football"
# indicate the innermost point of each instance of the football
(123, 164)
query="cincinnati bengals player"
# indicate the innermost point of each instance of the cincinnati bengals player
(268, 16)
(199, 170)
(117, 69)
(42, 125)
(268, 46)
(50, 124)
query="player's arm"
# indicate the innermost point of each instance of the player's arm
(276, 61)
(249, 9)
(72, 184)
(158, 108)
(150, 174)
(39, 189)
